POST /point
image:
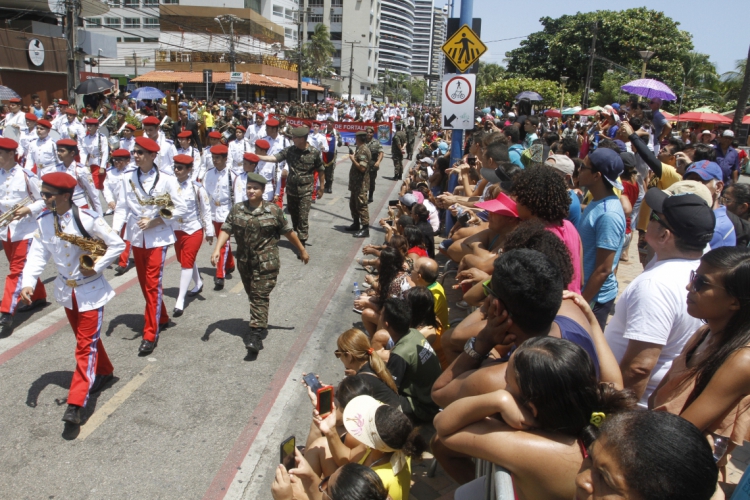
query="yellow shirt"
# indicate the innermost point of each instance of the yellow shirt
(668, 177)
(208, 119)
(398, 486)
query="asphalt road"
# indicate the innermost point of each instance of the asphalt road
(197, 418)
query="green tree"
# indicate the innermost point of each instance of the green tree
(489, 73)
(417, 90)
(609, 90)
(317, 53)
(507, 89)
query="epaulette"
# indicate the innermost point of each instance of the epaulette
(29, 173)
(169, 140)
(46, 211)
(91, 213)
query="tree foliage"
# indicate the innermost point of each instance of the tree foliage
(317, 53)
(506, 90)
(489, 73)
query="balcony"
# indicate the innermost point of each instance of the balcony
(185, 60)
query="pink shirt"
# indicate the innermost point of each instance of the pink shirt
(569, 235)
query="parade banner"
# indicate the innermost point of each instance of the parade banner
(347, 129)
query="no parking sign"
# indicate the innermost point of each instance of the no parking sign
(459, 92)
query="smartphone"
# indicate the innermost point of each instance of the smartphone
(393, 203)
(287, 453)
(325, 401)
(312, 382)
(389, 222)
(463, 219)
(472, 160)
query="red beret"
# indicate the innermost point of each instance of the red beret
(262, 143)
(260, 114)
(219, 149)
(272, 122)
(151, 120)
(44, 123)
(60, 180)
(214, 135)
(147, 144)
(183, 159)
(185, 134)
(31, 117)
(62, 102)
(9, 144)
(316, 122)
(67, 143)
(130, 126)
(119, 153)
(240, 127)
(251, 157)
(14, 100)
(91, 121)
(71, 111)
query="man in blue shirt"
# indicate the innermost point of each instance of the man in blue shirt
(602, 230)
(728, 158)
(709, 174)
(565, 167)
(515, 150)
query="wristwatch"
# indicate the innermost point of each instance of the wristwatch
(469, 349)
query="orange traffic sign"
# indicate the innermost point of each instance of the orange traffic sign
(464, 48)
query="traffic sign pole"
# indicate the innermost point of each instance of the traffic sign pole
(457, 137)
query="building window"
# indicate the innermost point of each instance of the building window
(130, 3)
(289, 14)
(130, 39)
(335, 35)
(337, 3)
(315, 18)
(290, 33)
(171, 1)
(151, 40)
(112, 22)
(314, 3)
(132, 22)
(150, 3)
(278, 10)
(94, 22)
(114, 3)
(151, 22)
(336, 18)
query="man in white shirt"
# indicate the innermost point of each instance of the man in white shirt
(219, 184)
(127, 141)
(28, 137)
(318, 140)
(94, 151)
(237, 148)
(85, 194)
(651, 324)
(277, 143)
(255, 131)
(112, 192)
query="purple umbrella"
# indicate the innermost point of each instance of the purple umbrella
(649, 88)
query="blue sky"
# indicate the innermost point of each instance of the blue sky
(719, 28)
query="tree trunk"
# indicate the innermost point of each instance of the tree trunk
(742, 98)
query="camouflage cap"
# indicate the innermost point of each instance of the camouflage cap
(253, 177)
(361, 133)
(300, 131)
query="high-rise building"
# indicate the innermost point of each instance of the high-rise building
(422, 45)
(396, 36)
(437, 58)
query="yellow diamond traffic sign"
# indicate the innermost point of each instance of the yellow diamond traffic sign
(464, 48)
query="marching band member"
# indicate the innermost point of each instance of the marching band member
(70, 127)
(15, 117)
(164, 159)
(190, 230)
(60, 115)
(127, 141)
(24, 142)
(276, 143)
(94, 151)
(249, 165)
(267, 169)
(219, 186)
(238, 147)
(187, 147)
(255, 131)
(319, 142)
(329, 157)
(85, 194)
(16, 184)
(214, 139)
(42, 156)
(112, 191)
(81, 291)
(148, 232)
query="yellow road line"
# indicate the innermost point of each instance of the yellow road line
(118, 399)
(237, 288)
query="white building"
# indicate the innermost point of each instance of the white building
(396, 36)
(437, 58)
(422, 45)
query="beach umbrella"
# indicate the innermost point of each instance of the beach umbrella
(693, 116)
(649, 88)
(553, 113)
(587, 112)
(704, 109)
(7, 93)
(530, 95)
(571, 111)
(746, 120)
(143, 93)
(94, 86)
(669, 116)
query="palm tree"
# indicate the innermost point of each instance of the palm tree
(699, 71)
(317, 53)
(489, 73)
(742, 78)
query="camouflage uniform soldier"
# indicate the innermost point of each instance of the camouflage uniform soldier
(411, 134)
(398, 143)
(302, 160)
(358, 184)
(376, 156)
(257, 226)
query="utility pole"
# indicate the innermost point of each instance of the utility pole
(587, 87)
(135, 64)
(72, 16)
(231, 19)
(351, 67)
(300, 24)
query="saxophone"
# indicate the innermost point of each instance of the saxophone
(94, 246)
(162, 200)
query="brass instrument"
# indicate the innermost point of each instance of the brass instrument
(95, 247)
(162, 200)
(7, 217)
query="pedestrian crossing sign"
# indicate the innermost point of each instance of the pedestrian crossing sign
(464, 48)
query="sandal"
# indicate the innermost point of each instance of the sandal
(366, 267)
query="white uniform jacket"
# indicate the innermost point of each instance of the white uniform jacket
(252, 134)
(277, 145)
(128, 211)
(237, 148)
(15, 185)
(198, 169)
(198, 209)
(165, 156)
(91, 292)
(24, 142)
(71, 130)
(128, 144)
(219, 185)
(85, 192)
(94, 150)
(319, 142)
(43, 154)
(18, 119)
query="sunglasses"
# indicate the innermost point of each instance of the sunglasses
(698, 282)
(180, 167)
(338, 353)
(139, 152)
(46, 194)
(656, 218)
(486, 286)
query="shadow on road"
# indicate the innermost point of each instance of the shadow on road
(233, 326)
(59, 378)
(132, 321)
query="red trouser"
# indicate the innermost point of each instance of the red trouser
(186, 247)
(98, 176)
(315, 185)
(226, 259)
(149, 264)
(125, 255)
(280, 203)
(91, 358)
(16, 253)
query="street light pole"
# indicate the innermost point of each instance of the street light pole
(351, 67)
(646, 55)
(564, 80)
(231, 19)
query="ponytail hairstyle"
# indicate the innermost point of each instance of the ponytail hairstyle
(397, 431)
(558, 378)
(735, 264)
(356, 343)
(357, 482)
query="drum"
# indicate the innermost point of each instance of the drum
(54, 135)
(228, 135)
(11, 132)
(104, 131)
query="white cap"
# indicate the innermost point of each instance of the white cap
(728, 133)
(511, 115)
(706, 132)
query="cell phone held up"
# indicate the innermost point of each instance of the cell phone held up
(312, 382)
(287, 453)
(325, 401)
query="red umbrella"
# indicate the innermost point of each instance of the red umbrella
(703, 117)
(553, 113)
(669, 116)
(746, 120)
(587, 112)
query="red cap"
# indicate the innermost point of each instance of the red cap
(317, 122)
(31, 117)
(147, 144)
(62, 102)
(262, 144)
(183, 159)
(214, 135)
(272, 122)
(67, 142)
(240, 127)
(502, 205)
(71, 111)
(130, 126)
(185, 134)
(9, 144)
(15, 100)
(119, 153)
(43, 123)
(251, 157)
(60, 180)
(260, 114)
(219, 149)
(151, 120)
(91, 121)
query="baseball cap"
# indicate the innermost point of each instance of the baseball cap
(359, 421)
(728, 133)
(691, 187)
(706, 170)
(687, 215)
(706, 132)
(502, 205)
(609, 164)
(408, 199)
(561, 163)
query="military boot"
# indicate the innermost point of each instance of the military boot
(253, 341)
(354, 227)
(369, 199)
(363, 233)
